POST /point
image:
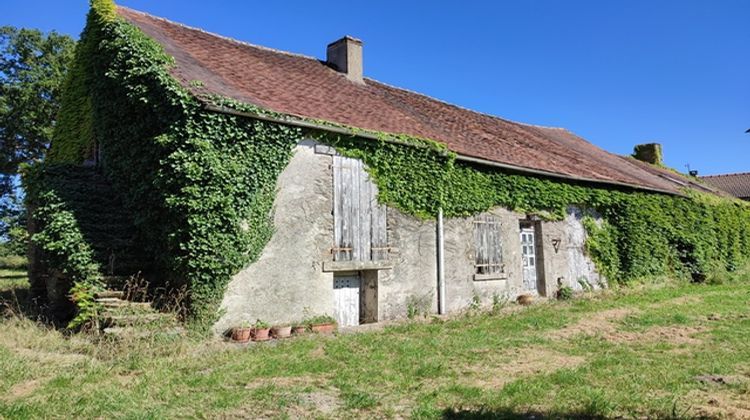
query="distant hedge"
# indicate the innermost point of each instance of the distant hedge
(14, 262)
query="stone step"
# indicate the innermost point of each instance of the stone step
(138, 319)
(116, 294)
(119, 303)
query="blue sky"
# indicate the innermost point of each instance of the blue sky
(617, 73)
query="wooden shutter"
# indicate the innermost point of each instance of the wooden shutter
(359, 221)
(489, 257)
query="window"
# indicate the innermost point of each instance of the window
(488, 255)
(359, 220)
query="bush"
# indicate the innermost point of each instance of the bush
(14, 262)
(564, 293)
(320, 320)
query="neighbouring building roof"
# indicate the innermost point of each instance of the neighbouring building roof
(306, 87)
(736, 184)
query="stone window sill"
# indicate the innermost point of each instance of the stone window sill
(333, 266)
(490, 277)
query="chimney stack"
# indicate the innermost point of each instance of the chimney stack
(345, 56)
(649, 153)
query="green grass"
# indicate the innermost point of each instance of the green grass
(641, 361)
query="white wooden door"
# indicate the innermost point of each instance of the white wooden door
(528, 254)
(346, 299)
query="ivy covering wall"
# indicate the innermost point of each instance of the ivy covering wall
(201, 184)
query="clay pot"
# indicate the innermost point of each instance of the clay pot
(298, 330)
(241, 334)
(324, 328)
(261, 334)
(525, 300)
(282, 332)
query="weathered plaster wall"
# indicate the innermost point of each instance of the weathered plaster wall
(414, 274)
(554, 243)
(565, 260)
(580, 267)
(562, 257)
(459, 262)
(287, 281)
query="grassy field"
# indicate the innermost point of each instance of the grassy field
(675, 351)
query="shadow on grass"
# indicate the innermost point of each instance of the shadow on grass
(486, 414)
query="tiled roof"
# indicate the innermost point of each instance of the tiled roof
(683, 180)
(306, 87)
(736, 184)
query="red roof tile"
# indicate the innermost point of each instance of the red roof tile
(683, 180)
(306, 87)
(736, 184)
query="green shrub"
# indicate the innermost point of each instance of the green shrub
(564, 293)
(319, 320)
(60, 240)
(476, 302)
(261, 325)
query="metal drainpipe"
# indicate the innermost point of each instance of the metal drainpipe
(440, 263)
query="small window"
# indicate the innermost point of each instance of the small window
(488, 255)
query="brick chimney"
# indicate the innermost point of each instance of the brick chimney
(649, 153)
(345, 56)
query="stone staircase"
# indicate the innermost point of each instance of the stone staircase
(122, 317)
(109, 229)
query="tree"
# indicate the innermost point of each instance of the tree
(32, 70)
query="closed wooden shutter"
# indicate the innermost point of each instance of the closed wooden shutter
(359, 220)
(489, 257)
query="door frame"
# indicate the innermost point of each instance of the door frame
(535, 228)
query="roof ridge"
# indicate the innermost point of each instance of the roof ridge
(724, 175)
(214, 34)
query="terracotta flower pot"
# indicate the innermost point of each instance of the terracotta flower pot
(261, 334)
(282, 332)
(241, 335)
(300, 329)
(525, 300)
(324, 328)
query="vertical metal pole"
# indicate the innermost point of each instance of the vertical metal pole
(440, 263)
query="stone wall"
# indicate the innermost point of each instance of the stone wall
(413, 278)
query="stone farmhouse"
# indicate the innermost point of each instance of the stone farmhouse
(337, 247)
